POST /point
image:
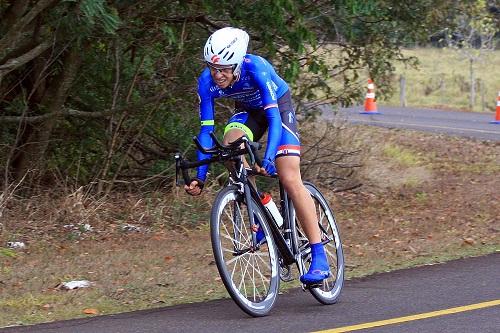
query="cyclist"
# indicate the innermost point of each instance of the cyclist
(262, 102)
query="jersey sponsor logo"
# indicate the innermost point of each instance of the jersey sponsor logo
(214, 88)
(215, 59)
(271, 90)
(248, 93)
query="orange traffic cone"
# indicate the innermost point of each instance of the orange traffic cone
(497, 116)
(370, 105)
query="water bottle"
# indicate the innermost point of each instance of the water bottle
(268, 202)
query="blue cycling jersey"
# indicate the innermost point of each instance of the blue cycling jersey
(258, 88)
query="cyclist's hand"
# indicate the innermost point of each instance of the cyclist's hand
(194, 188)
(259, 169)
(269, 166)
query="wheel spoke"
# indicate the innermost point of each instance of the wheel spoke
(250, 271)
(234, 241)
(258, 269)
(250, 274)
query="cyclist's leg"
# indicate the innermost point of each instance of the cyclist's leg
(288, 166)
(289, 174)
(242, 123)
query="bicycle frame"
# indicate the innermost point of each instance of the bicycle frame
(241, 180)
(289, 252)
(286, 240)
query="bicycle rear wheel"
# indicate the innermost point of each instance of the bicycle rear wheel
(328, 292)
(249, 274)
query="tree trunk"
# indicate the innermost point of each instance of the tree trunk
(14, 35)
(31, 151)
(14, 12)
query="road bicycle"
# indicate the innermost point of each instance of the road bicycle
(251, 269)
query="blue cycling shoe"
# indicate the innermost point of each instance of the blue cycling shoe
(260, 237)
(319, 269)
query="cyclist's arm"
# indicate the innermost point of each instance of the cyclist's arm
(274, 134)
(270, 104)
(207, 111)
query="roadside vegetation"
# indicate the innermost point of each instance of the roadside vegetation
(425, 198)
(441, 80)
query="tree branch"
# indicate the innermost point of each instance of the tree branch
(12, 64)
(68, 112)
(12, 37)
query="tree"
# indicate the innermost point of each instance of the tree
(41, 55)
(103, 91)
(473, 36)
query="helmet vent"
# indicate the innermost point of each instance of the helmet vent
(232, 54)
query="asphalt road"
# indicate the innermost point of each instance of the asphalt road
(456, 123)
(418, 292)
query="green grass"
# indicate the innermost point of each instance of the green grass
(484, 168)
(442, 80)
(404, 157)
(7, 252)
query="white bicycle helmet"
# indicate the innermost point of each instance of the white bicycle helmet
(227, 46)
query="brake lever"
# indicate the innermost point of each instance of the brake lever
(253, 147)
(179, 161)
(250, 151)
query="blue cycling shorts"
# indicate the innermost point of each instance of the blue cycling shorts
(254, 123)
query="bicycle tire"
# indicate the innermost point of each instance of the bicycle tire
(328, 292)
(250, 276)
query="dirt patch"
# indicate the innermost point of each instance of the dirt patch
(425, 198)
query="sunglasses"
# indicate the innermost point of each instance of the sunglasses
(223, 70)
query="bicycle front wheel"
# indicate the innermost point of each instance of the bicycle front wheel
(329, 290)
(249, 274)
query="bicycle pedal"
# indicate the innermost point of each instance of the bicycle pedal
(313, 285)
